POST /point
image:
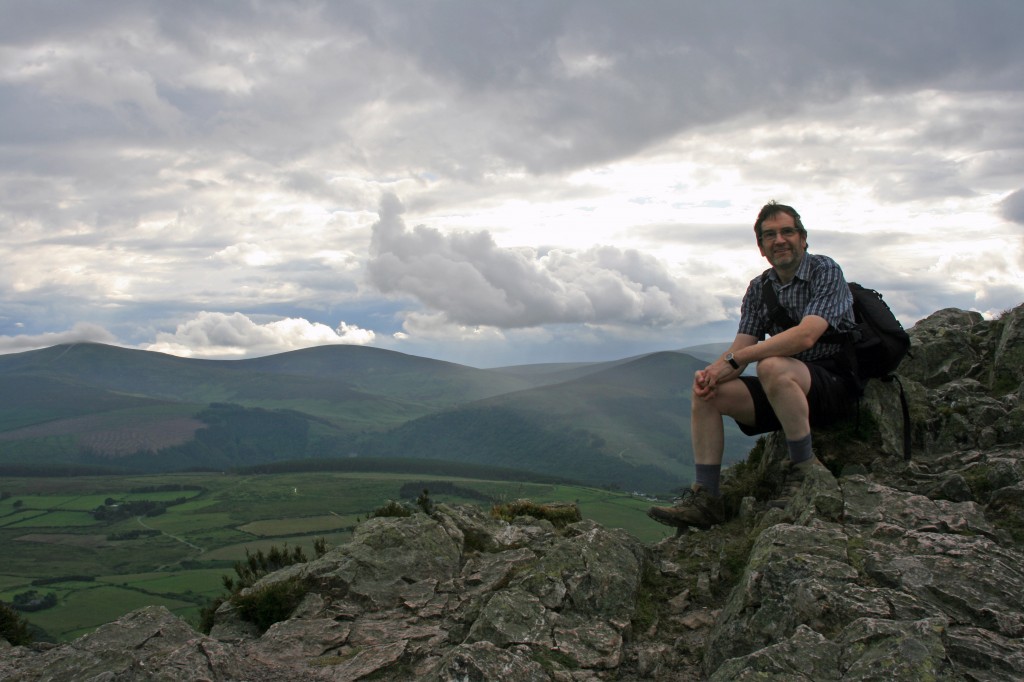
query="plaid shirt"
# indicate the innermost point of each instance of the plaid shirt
(818, 288)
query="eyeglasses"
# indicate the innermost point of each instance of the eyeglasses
(772, 235)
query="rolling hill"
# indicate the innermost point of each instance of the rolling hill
(618, 424)
(626, 425)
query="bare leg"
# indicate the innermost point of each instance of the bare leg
(707, 431)
(702, 506)
(787, 382)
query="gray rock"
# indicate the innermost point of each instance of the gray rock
(513, 616)
(484, 661)
(896, 571)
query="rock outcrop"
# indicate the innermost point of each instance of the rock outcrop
(879, 568)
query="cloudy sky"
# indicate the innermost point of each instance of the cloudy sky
(492, 182)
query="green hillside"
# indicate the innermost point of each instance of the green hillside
(388, 374)
(329, 373)
(625, 426)
(27, 400)
(618, 424)
(556, 373)
(707, 352)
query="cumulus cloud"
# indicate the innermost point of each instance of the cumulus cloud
(245, 254)
(470, 280)
(236, 335)
(1012, 207)
(421, 326)
(80, 333)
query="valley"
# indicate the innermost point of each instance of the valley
(177, 555)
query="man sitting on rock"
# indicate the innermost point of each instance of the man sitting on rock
(801, 382)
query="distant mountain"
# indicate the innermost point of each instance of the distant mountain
(556, 373)
(621, 423)
(708, 352)
(335, 373)
(624, 425)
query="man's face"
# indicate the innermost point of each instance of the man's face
(782, 251)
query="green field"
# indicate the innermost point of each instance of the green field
(100, 569)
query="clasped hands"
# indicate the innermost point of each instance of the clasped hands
(705, 381)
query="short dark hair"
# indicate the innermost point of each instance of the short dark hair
(772, 209)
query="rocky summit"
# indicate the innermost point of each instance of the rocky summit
(880, 567)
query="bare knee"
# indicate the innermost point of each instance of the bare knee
(782, 373)
(771, 367)
(702, 405)
(772, 370)
(731, 399)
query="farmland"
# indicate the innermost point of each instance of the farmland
(197, 525)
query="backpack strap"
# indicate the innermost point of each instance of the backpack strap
(776, 312)
(906, 414)
(779, 316)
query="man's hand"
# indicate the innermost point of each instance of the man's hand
(705, 381)
(702, 385)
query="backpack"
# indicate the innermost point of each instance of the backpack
(874, 348)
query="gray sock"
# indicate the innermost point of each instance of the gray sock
(708, 476)
(800, 450)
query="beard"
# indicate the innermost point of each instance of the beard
(785, 256)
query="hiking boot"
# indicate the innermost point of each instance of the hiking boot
(793, 476)
(695, 509)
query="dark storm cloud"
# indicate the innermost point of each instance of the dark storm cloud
(590, 81)
(594, 80)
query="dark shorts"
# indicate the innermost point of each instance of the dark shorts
(833, 393)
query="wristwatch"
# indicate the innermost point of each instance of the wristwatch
(732, 361)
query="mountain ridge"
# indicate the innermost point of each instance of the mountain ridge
(619, 422)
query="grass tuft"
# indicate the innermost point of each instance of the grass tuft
(560, 514)
(270, 604)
